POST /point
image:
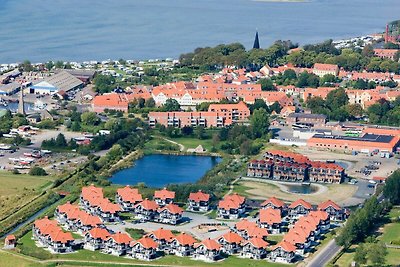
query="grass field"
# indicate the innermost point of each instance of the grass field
(189, 142)
(261, 190)
(27, 246)
(10, 260)
(18, 189)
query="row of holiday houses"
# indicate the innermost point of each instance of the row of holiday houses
(288, 166)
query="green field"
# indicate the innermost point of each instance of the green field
(18, 189)
(189, 142)
(27, 246)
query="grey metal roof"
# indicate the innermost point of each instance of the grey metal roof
(307, 115)
(64, 81)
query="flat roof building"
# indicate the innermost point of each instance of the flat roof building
(366, 143)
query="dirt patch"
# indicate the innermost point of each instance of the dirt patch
(336, 192)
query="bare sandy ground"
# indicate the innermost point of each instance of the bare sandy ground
(263, 190)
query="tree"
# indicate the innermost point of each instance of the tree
(150, 103)
(266, 84)
(200, 132)
(259, 122)
(171, 105)
(328, 79)
(259, 103)
(61, 141)
(289, 75)
(89, 118)
(360, 256)
(275, 107)
(104, 83)
(26, 66)
(187, 130)
(368, 51)
(377, 253)
(354, 110)
(49, 65)
(336, 99)
(37, 171)
(392, 188)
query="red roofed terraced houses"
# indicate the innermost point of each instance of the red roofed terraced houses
(289, 166)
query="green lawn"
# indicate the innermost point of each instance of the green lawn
(28, 247)
(191, 142)
(274, 239)
(10, 260)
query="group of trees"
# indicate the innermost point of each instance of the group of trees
(363, 221)
(349, 59)
(9, 121)
(385, 112)
(104, 83)
(81, 121)
(374, 252)
(59, 143)
(211, 58)
(336, 106)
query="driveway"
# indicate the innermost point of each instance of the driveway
(195, 219)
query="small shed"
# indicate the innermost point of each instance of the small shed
(10, 242)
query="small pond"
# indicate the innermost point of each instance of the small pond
(301, 188)
(161, 170)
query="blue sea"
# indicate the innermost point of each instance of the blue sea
(78, 30)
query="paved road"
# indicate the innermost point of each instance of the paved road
(325, 255)
(190, 227)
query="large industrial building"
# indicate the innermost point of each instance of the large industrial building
(62, 81)
(367, 143)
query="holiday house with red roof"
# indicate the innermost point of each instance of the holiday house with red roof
(230, 243)
(146, 210)
(208, 250)
(118, 244)
(231, 207)
(169, 214)
(336, 213)
(163, 237)
(198, 201)
(254, 248)
(49, 235)
(271, 220)
(144, 249)
(282, 252)
(164, 197)
(183, 245)
(96, 238)
(299, 208)
(127, 197)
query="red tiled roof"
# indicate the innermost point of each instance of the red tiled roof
(172, 208)
(300, 202)
(232, 237)
(10, 237)
(99, 233)
(244, 225)
(146, 242)
(162, 234)
(326, 204)
(257, 232)
(164, 194)
(257, 242)
(286, 246)
(274, 201)
(270, 216)
(121, 238)
(319, 214)
(148, 204)
(185, 239)
(199, 196)
(129, 194)
(210, 244)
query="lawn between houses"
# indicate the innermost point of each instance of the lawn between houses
(27, 246)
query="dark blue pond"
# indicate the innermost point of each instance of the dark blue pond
(160, 170)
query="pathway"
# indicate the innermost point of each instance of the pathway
(181, 147)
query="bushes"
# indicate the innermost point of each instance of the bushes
(37, 171)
